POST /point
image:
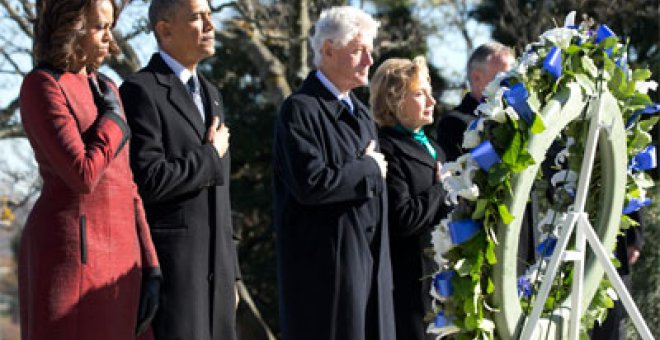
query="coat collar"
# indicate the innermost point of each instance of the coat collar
(468, 104)
(408, 146)
(329, 102)
(177, 93)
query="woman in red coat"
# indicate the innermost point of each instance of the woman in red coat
(86, 244)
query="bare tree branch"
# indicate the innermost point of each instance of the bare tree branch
(12, 131)
(127, 62)
(273, 73)
(22, 21)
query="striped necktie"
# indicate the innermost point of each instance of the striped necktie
(196, 95)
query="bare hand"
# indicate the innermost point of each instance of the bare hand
(219, 136)
(210, 133)
(438, 172)
(633, 254)
(236, 296)
(377, 156)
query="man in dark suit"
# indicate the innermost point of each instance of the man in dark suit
(179, 154)
(484, 64)
(330, 201)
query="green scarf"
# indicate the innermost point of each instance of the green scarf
(420, 137)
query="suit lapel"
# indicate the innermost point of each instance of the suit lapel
(213, 102)
(177, 94)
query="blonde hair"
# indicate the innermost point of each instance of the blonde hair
(393, 79)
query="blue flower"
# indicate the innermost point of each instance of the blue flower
(644, 160)
(463, 230)
(524, 287)
(603, 33)
(441, 321)
(485, 155)
(442, 283)
(547, 246)
(516, 97)
(636, 204)
(552, 62)
(648, 110)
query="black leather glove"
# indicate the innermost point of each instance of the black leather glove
(149, 297)
(104, 97)
(109, 107)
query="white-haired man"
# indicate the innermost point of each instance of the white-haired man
(330, 205)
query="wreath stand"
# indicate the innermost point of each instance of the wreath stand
(584, 232)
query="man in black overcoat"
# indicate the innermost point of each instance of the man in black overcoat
(482, 66)
(330, 201)
(180, 158)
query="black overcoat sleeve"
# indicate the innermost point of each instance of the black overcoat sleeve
(161, 177)
(312, 172)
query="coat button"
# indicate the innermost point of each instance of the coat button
(210, 277)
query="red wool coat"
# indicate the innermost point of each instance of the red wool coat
(86, 240)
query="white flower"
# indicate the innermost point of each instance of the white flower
(570, 19)
(494, 90)
(458, 179)
(562, 156)
(471, 139)
(644, 86)
(492, 110)
(560, 36)
(441, 241)
(511, 112)
(567, 178)
(527, 60)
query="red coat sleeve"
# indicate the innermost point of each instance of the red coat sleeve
(149, 257)
(53, 129)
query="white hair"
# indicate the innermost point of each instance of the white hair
(340, 25)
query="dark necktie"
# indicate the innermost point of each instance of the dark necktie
(196, 95)
(347, 105)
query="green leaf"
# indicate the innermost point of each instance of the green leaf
(647, 124)
(609, 42)
(640, 99)
(469, 307)
(641, 74)
(617, 82)
(497, 174)
(573, 49)
(491, 287)
(490, 256)
(589, 66)
(504, 213)
(537, 125)
(479, 209)
(641, 140)
(511, 154)
(471, 322)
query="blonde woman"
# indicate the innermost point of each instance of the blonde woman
(402, 104)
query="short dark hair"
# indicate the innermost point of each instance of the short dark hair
(480, 56)
(160, 10)
(59, 27)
